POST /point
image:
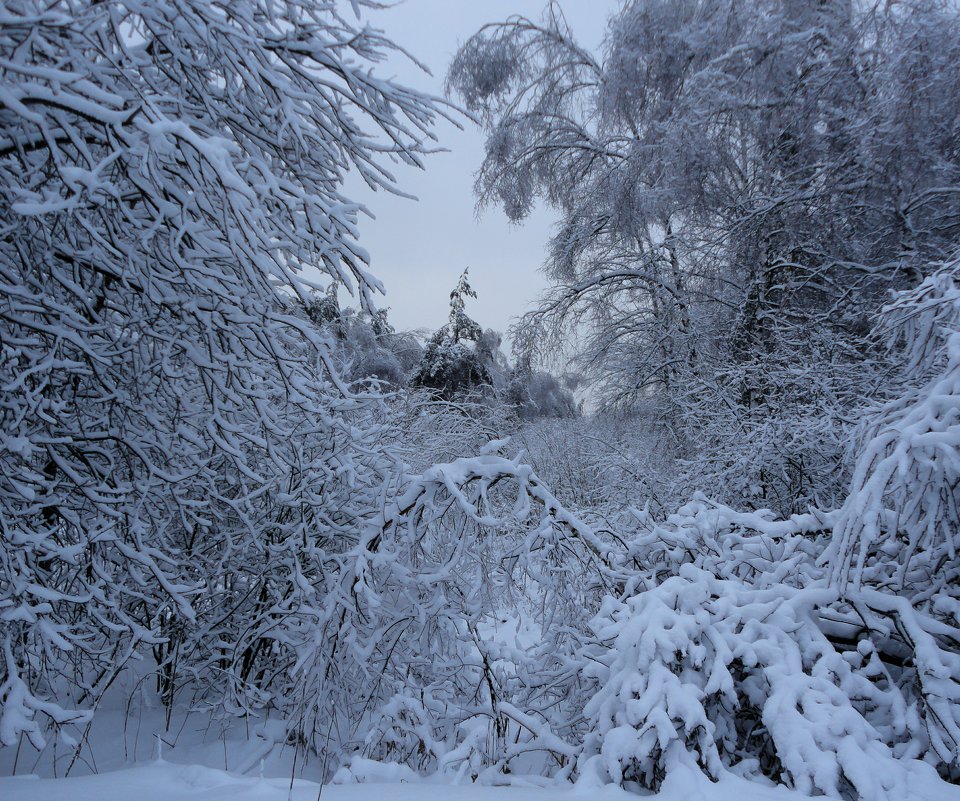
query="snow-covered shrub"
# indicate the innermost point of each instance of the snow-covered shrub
(896, 541)
(753, 547)
(449, 555)
(737, 677)
(727, 642)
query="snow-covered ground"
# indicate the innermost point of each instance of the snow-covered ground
(204, 758)
(164, 781)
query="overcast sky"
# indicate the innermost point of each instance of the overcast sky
(418, 248)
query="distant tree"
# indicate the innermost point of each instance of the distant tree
(365, 345)
(536, 394)
(456, 358)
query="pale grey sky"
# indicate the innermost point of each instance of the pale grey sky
(418, 248)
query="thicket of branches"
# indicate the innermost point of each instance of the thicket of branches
(183, 467)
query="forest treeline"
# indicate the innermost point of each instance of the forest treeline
(742, 557)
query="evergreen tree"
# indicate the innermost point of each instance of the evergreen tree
(454, 360)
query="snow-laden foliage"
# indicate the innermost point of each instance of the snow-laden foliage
(738, 651)
(903, 500)
(898, 529)
(707, 667)
(198, 473)
(182, 467)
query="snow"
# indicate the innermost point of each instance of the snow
(163, 781)
(195, 749)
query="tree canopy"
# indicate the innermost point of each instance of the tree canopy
(738, 188)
